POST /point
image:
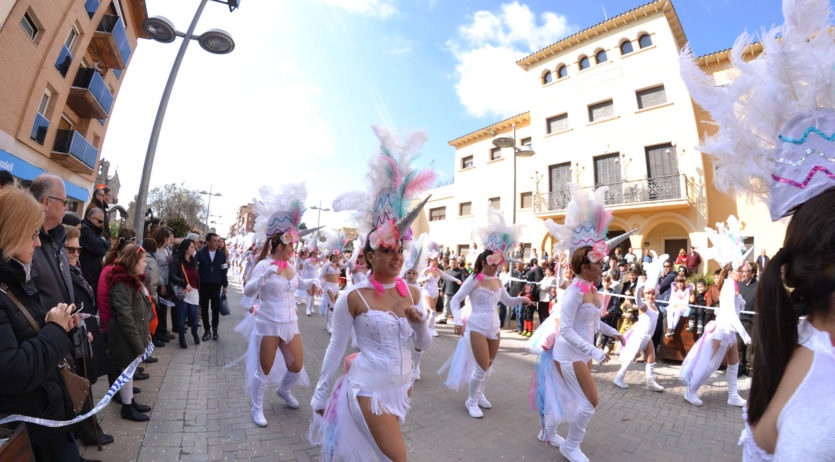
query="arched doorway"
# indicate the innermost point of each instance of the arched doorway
(667, 237)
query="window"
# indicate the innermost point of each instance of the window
(644, 41)
(562, 71)
(526, 251)
(547, 77)
(44, 104)
(495, 202)
(525, 141)
(626, 47)
(465, 209)
(600, 57)
(29, 25)
(556, 123)
(495, 153)
(466, 161)
(463, 250)
(583, 62)
(72, 37)
(437, 214)
(526, 200)
(651, 97)
(601, 111)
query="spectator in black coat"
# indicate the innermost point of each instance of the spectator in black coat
(533, 276)
(664, 290)
(454, 269)
(748, 291)
(516, 287)
(211, 267)
(95, 242)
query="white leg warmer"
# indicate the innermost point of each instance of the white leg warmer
(482, 400)
(284, 390)
(733, 392)
(259, 386)
(576, 431)
(652, 385)
(416, 356)
(477, 378)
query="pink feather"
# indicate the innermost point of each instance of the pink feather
(603, 218)
(421, 182)
(396, 178)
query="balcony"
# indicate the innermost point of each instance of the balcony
(89, 96)
(74, 152)
(634, 194)
(64, 61)
(91, 6)
(110, 43)
(39, 128)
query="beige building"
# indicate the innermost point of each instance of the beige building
(610, 110)
(63, 64)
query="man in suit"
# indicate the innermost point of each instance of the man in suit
(211, 269)
(762, 260)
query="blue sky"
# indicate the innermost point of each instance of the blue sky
(296, 99)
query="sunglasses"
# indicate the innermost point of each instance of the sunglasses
(97, 220)
(201, 242)
(65, 201)
(72, 250)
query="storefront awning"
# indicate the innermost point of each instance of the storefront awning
(26, 171)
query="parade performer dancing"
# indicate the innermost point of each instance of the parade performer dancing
(356, 264)
(473, 358)
(360, 420)
(776, 123)
(431, 276)
(571, 384)
(639, 337)
(334, 247)
(309, 270)
(415, 259)
(719, 339)
(274, 324)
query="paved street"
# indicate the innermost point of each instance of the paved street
(200, 411)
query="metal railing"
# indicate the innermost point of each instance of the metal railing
(39, 128)
(71, 142)
(114, 26)
(91, 80)
(64, 61)
(630, 192)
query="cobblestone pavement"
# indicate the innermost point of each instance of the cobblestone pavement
(201, 413)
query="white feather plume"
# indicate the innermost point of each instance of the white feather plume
(584, 209)
(290, 199)
(498, 232)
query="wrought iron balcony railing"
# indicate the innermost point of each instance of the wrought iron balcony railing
(648, 190)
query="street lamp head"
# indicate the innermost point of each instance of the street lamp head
(159, 29)
(216, 41)
(525, 151)
(503, 142)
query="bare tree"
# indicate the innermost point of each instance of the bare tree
(172, 201)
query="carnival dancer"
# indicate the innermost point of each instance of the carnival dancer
(310, 270)
(356, 264)
(777, 121)
(273, 325)
(415, 259)
(431, 276)
(472, 361)
(678, 307)
(719, 339)
(360, 421)
(583, 234)
(639, 338)
(334, 247)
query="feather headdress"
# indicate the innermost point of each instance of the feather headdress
(393, 184)
(776, 124)
(497, 237)
(728, 243)
(281, 213)
(335, 243)
(416, 255)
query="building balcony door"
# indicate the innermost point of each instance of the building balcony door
(607, 173)
(662, 172)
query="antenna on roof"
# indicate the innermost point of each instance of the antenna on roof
(604, 11)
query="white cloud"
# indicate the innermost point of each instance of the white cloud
(376, 8)
(488, 81)
(399, 45)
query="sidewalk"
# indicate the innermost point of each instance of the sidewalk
(201, 413)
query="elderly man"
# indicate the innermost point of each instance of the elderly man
(95, 242)
(50, 265)
(748, 291)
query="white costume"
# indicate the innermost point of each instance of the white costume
(327, 289)
(804, 427)
(310, 268)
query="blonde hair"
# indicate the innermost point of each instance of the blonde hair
(72, 232)
(130, 256)
(20, 216)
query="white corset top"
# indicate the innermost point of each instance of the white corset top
(277, 293)
(383, 340)
(484, 300)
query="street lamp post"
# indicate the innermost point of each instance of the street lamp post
(160, 29)
(319, 214)
(209, 205)
(524, 151)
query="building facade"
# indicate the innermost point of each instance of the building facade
(610, 109)
(245, 222)
(63, 64)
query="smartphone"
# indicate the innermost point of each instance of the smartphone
(77, 309)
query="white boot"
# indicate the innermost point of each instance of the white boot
(733, 393)
(652, 385)
(432, 325)
(416, 355)
(478, 376)
(283, 392)
(482, 400)
(258, 387)
(692, 397)
(549, 435)
(619, 381)
(576, 431)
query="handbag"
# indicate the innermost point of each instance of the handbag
(77, 387)
(224, 306)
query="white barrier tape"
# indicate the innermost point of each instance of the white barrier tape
(126, 375)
